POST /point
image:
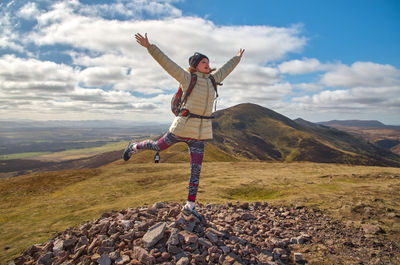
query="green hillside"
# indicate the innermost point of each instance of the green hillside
(255, 132)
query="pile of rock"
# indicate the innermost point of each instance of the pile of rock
(239, 233)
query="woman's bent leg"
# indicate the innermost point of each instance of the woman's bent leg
(161, 144)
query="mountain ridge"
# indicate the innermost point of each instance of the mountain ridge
(355, 123)
(256, 132)
(385, 136)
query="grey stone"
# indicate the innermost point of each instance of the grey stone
(143, 256)
(215, 231)
(154, 234)
(104, 260)
(127, 224)
(46, 259)
(58, 246)
(278, 252)
(183, 261)
(212, 237)
(173, 237)
(204, 242)
(79, 252)
(114, 255)
(173, 249)
(188, 237)
(103, 250)
(122, 260)
(225, 249)
(69, 243)
(83, 241)
(158, 205)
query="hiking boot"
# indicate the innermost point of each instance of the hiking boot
(187, 211)
(129, 151)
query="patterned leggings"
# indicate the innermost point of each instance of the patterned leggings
(196, 150)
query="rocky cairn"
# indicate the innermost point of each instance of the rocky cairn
(240, 233)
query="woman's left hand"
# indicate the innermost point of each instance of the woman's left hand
(240, 54)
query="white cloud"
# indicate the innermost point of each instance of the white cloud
(102, 76)
(107, 52)
(62, 25)
(29, 11)
(28, 75)
(8, 36)
(371, 102)
(132, 9)
(309, 87)
(124, 80)
(304, 66)
(366, 74)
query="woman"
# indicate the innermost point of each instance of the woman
(192, 129)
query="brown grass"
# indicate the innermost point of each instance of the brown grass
(34, 207)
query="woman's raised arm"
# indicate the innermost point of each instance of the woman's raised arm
(170, 66)
(144, 41)
(228, 67)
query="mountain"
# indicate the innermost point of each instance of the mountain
(385, 136)
(354, 123)
(251, 131)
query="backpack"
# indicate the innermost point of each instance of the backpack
(177, 102)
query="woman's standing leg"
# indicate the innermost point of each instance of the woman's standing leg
(196, 150)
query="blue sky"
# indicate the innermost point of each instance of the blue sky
(318, 60)
(349, 31)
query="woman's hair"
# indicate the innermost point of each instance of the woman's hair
(191, 69)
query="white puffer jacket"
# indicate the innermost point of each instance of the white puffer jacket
(200, 101)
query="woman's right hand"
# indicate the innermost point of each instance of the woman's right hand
(144, 41)
(240, 54)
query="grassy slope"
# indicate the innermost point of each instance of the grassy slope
(259, 133)
(34, 207)
(68, 154)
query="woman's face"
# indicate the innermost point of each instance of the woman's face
(203, 66)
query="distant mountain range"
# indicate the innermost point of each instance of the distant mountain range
(251, 132)
(385, 136)
(358, 123)
(255, 132)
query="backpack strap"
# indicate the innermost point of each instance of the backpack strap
(215, 84)
(193, 81)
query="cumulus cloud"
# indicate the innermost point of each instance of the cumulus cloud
(359, 97)
(110, 71)
(34, 87)
(308, 87)
(29, 11)
(362, 74)
(361, 90)
(110, 76)
(27, 75)
(8, 35)
(132, 9)
(102, 76)
(307, 65)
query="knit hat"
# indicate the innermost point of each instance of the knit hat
(195, 59)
